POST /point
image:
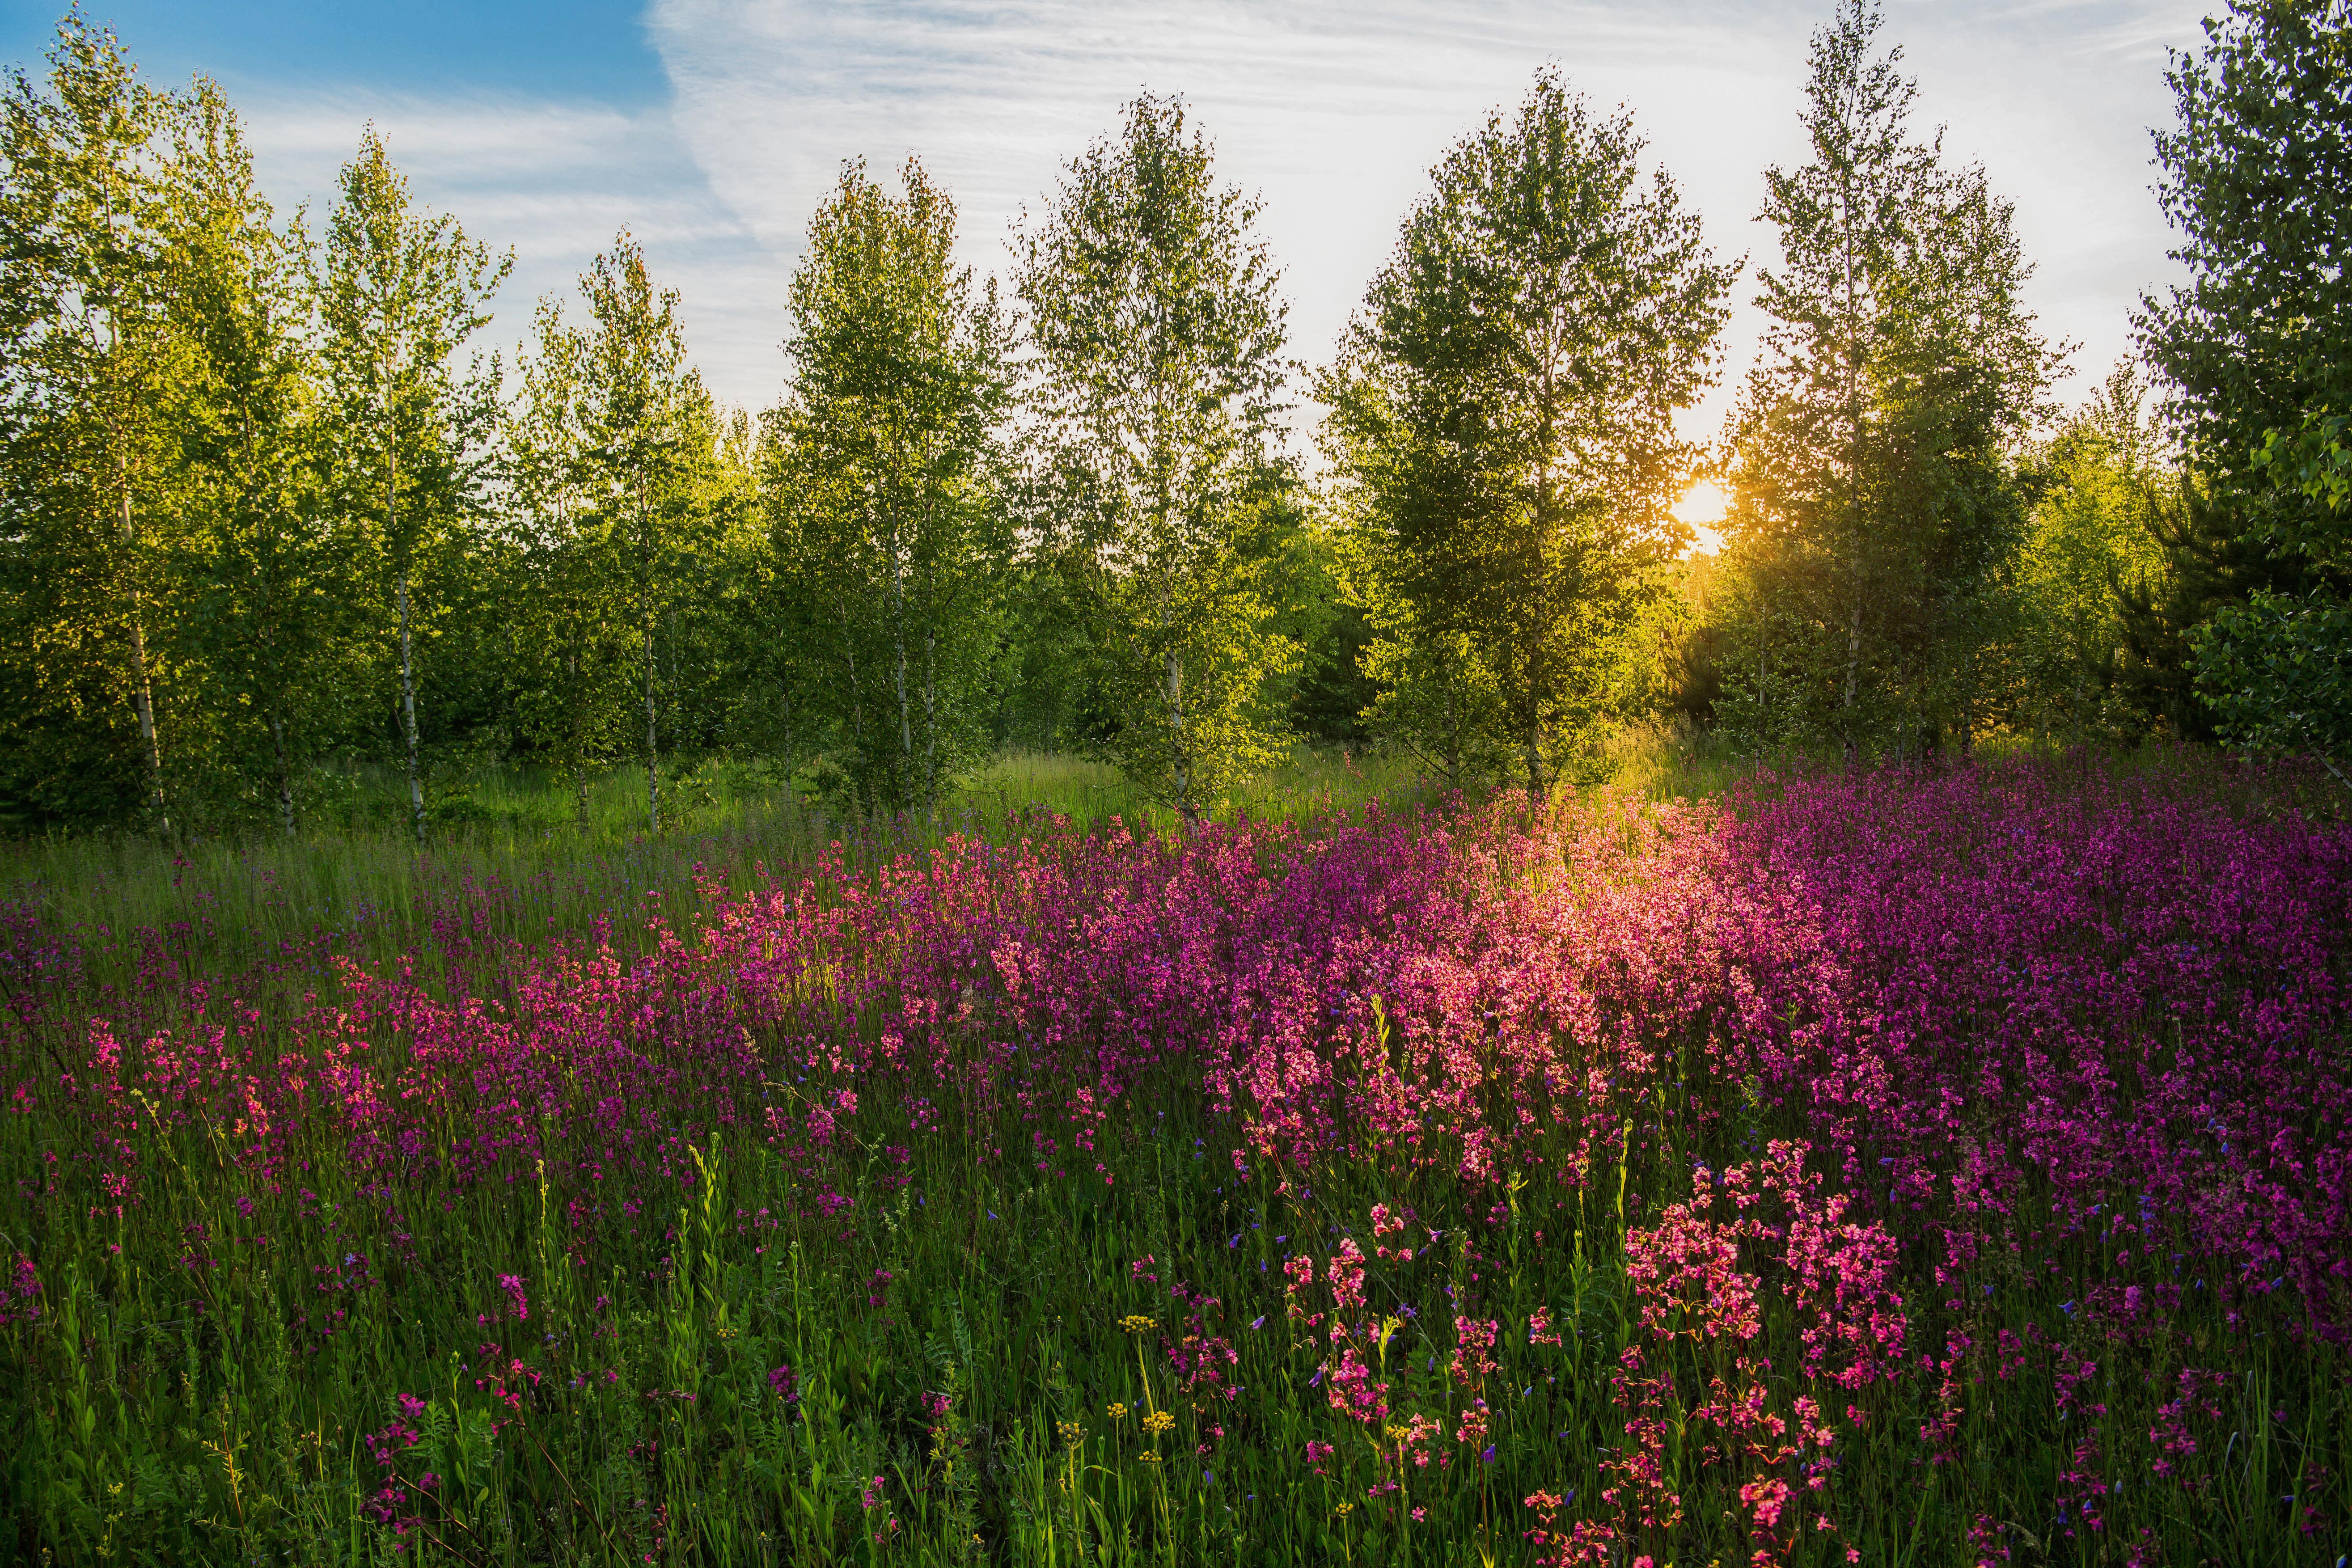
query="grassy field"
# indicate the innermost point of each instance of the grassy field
(508, 859)
(1916, 1169)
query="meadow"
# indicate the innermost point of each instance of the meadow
(1904, 1167)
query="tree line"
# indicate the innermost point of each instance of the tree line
(267, 510)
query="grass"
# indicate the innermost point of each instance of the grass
(357, 887)
(264, 1353)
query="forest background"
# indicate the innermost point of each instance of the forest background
(280, 548)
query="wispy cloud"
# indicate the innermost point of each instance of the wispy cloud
(1335, 112)
(555, 183)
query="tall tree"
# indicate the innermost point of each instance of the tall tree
(265, 562)
(1502, 412)
(399, 293)
(1158, 376)
(2257, 345)
(572, 673)
(651, 434)
(1870, 456)
(887, 458)
(92, 355)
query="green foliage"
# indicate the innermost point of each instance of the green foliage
(2093, 537)
(1156, 383)
(86, 224)
(272, 619)
(2252, 172)
(398, 293)
(1502, 418)
(572, 676)
(2256, 346)
(2277, 670)
(1874, 509)
(884, 487)
(649, 434)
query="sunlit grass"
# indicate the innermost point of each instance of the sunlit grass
(353, 883)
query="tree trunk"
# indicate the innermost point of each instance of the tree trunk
(653, 757)
(578, 743)
(139, 677)
(408, 714)
(906, 769)
(407, 655)
(1186, 806)
(140, 681)
(647, 566)
(931, 781)
(285, 775)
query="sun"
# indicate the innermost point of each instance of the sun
(1702, 510)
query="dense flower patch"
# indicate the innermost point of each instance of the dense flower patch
(1850, 1162)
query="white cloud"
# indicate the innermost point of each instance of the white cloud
(1333, 113)
(1336, 111)
(554, 181)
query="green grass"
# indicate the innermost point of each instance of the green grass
(211, 1372)
(354, 880)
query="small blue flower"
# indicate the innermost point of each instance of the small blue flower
(1488, 1457)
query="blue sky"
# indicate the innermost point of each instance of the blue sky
(589, 48)
(712, 127)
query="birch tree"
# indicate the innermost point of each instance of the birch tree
(574, 674)
(1157, 339)
(400, 292)
(1871, 453)
(651, 434)
(92, 356)
(886, 465)
(1502, 424)
(265, 565)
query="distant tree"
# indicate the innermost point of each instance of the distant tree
(2092, 539)
(885, 467)
(1502, 415)
(1158, 376)
(651, 434)
(88, 447)
(399, 292)
(571, 609)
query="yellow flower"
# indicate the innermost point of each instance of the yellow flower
(1148, 1458)
(1071, 1431)
(1116, 1412)
(1344, 1509)
(1139, 1325)
(1158, 1421)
